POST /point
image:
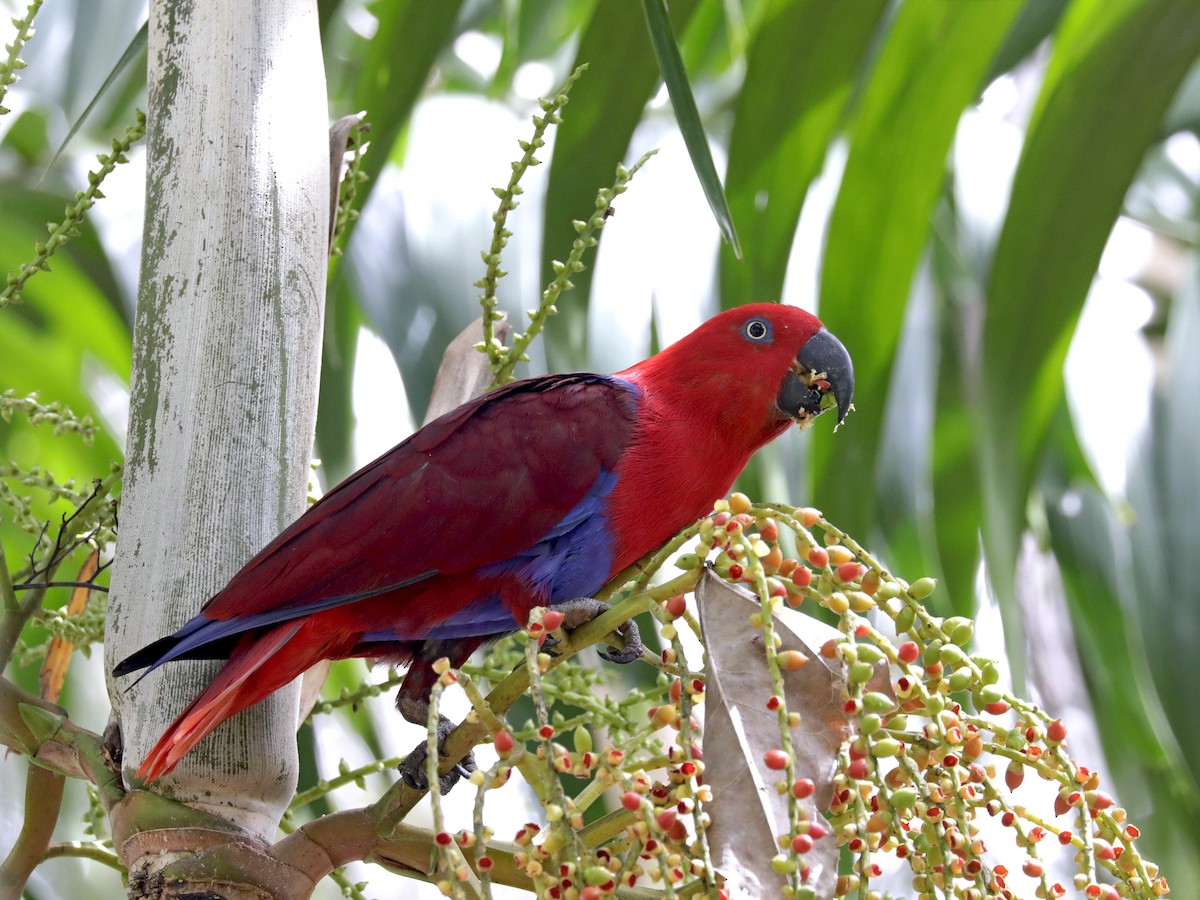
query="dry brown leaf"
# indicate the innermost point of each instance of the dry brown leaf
(464, 373)
(58, 656)
(748, 813)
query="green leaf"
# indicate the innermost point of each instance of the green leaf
(1116, 66)
(606, 105)
(688, 117)
(931, 67)
(1036, 22)
(398, 59)
(800, 69)
(406, 44)
(132, 52)
(335, 408)
(1118, 654)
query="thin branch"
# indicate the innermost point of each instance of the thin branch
(40, 729)
(93, 850)
(11, 606)
(43, 801)
(90, 585)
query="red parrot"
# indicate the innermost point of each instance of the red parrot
(535, 494)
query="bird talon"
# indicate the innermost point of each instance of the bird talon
(412, 771)
(584, 609)
(633, 645)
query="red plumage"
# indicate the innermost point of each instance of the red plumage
(533, 494)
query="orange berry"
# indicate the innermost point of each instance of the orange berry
(791, 660)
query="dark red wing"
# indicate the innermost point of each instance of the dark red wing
(478, 485)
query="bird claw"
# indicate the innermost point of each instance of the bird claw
(412, 770)
(633, 645)
(584, 609)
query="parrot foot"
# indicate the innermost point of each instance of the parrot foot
(412, 769)
(584, 609)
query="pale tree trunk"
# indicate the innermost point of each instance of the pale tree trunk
(224, 386)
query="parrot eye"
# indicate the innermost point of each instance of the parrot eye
(757, 331)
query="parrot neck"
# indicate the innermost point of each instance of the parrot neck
(694, 435)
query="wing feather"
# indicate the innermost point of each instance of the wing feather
(474, 487)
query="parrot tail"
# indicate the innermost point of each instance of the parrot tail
(245, 679)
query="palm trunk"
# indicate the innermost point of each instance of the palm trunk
(226, 356)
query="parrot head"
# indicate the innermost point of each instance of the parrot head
(761, 365)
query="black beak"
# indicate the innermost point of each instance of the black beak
(822, 367)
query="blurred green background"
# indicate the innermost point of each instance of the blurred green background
(992, 203)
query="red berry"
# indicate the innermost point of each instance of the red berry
(504, 742)
(768, 530)
(775, 759)
(849, 571)
(1032, 868)
(908, 652)
(802, 843)
(1056, 731)
(667, 818)
(546, 732)
(801, 576)
(819, 557)
(802, 788)
(997, 708)
(631, 801)
(591, 892)
(735, 572)
(858, 769)
(677, 605)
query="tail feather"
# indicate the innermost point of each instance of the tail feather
(233, 690)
